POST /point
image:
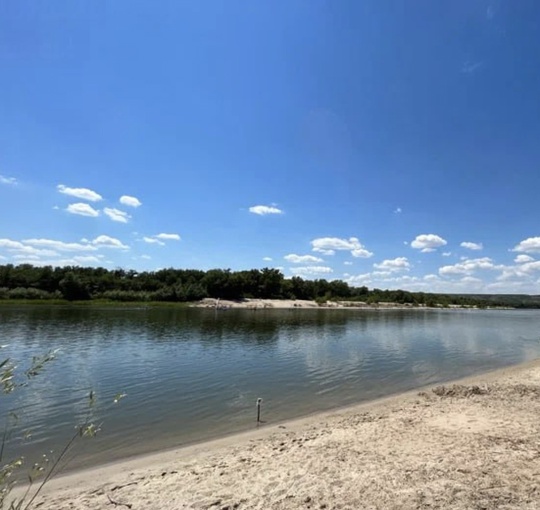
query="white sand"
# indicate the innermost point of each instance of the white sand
(258, 304)
(468, 447)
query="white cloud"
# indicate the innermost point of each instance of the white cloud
(49, 251)
(83, 259)
(104, 241)
(59, 245)
(470, 279)
(117, 215)
(348, 263)
(446, 254)
(311, 270)
(9, 244)
(359, 279)
(130, 201)
(263, 210)
(153, 240)
(82, 193)
(471, 246)
(398, 210)
(428, 242)
(329, 245)
(362, 253)
(530, 267)
(146, 257)
(523, 270)
(394, 265)
(25, 258)
(301, 259)
(468, 266)
(23, 249)
(37, 252)
(267, 259)
(530, 245)
(471, 67)
(521, 259)
(10, 181)
(325, 252)
(74, 261)
(82, 210)
(168, 237)
(159, 238)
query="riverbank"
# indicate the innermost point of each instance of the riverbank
(291, 304)
(103, 303)
(472, 444)
(248, 304)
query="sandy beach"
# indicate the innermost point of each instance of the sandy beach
(291, 304)
(262, 304)
(473, 444)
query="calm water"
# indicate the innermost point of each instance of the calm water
(191, 374)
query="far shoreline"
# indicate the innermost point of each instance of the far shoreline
(247, 304)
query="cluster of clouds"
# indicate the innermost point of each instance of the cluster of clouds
(42, 251)
(468, 266)
(428, 243)
(120, 216)
(86, 209)
(54, 252)
(469, 274)
(481, 274)
(325, 246)
(329, 246)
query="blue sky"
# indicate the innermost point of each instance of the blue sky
(392, 144)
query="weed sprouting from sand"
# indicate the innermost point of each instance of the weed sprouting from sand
(40, 473)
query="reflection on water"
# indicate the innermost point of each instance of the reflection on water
(191, 374)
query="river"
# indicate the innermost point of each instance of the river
(192, 374)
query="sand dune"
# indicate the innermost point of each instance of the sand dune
(475, 445)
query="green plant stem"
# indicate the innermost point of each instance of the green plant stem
(51, 471)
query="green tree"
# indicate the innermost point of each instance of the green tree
(73, 289)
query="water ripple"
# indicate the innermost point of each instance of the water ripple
(193, 374)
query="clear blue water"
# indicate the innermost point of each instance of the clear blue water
(193, 374)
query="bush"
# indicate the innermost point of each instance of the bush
(28, 293)
(126, 295)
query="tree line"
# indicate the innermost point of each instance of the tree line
(74, 283)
